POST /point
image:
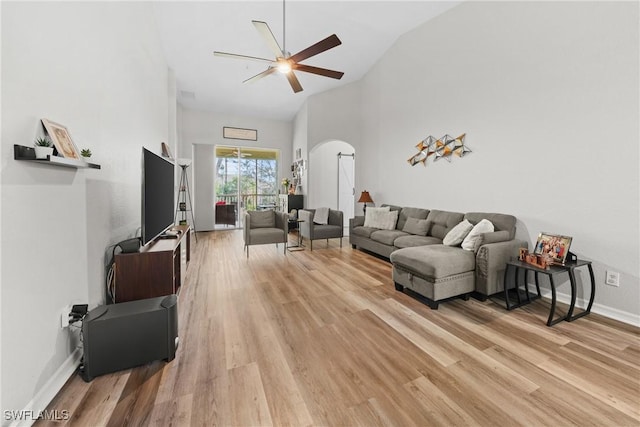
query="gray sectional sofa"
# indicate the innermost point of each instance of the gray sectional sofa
(422, 263)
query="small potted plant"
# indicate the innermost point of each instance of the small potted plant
(85, 152)
(43, 147)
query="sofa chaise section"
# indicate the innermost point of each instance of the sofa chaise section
(436, 271)
(439, 272)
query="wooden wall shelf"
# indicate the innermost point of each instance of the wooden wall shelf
(21, 152)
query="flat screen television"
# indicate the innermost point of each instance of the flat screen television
(158, 177)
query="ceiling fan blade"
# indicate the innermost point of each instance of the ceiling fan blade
(323, 45)
(293, 81)
(266, 33)
(319, 71)
(235, 56)
(260, 75)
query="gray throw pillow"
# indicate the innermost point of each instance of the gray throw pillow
(263, 219)
(419, 227)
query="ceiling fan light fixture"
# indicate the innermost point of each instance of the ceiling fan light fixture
(284, 66)
(285, 63)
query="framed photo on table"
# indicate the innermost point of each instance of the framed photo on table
(61, 140)
(553, 245)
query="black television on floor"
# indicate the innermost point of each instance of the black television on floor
(158, 179)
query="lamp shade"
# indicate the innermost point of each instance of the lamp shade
(365, 197)
(184, 162)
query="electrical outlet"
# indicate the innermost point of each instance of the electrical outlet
(613, 278)
(64, 317)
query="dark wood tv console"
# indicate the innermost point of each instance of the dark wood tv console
(158, 269)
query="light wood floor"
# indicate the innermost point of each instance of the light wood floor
(323, 338)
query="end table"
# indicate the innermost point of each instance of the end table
(552, 271)
(299, 246)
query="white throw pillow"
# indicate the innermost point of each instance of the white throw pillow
(470, 242)
(388, 220)
(372, 214)
(456, 235)
(321, 216)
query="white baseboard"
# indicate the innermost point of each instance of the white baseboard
(52, 387)
(612, 313)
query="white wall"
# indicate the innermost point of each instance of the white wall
(300, 142)
(97, 68)
(547, 93)
(205, 128)
(335, 114)
(332, 115)
(204, 177)
(323, 173)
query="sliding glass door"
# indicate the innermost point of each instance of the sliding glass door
(245, 179)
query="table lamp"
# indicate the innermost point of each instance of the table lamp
(365, 198)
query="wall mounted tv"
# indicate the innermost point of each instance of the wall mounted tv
(158, 177)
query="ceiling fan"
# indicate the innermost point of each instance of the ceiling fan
(236, 152)
(284, 62)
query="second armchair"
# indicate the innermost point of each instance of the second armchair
(334, 229)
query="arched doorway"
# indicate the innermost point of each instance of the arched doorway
(331, 173)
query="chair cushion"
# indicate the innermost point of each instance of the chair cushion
(387, 237)
(327, 231)
(262, 219)
(414, 240)
(434, 261)
(260, 236)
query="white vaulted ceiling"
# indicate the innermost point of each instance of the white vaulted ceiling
(191, 31)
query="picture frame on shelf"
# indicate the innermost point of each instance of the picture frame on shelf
(554, 245)
(61, 140)
(166, 152)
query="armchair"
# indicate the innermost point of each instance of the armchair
(262, 227)
(310, 230)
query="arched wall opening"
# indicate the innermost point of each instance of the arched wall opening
(330, 177)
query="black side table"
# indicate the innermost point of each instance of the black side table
(552, 271)
(299, 246)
